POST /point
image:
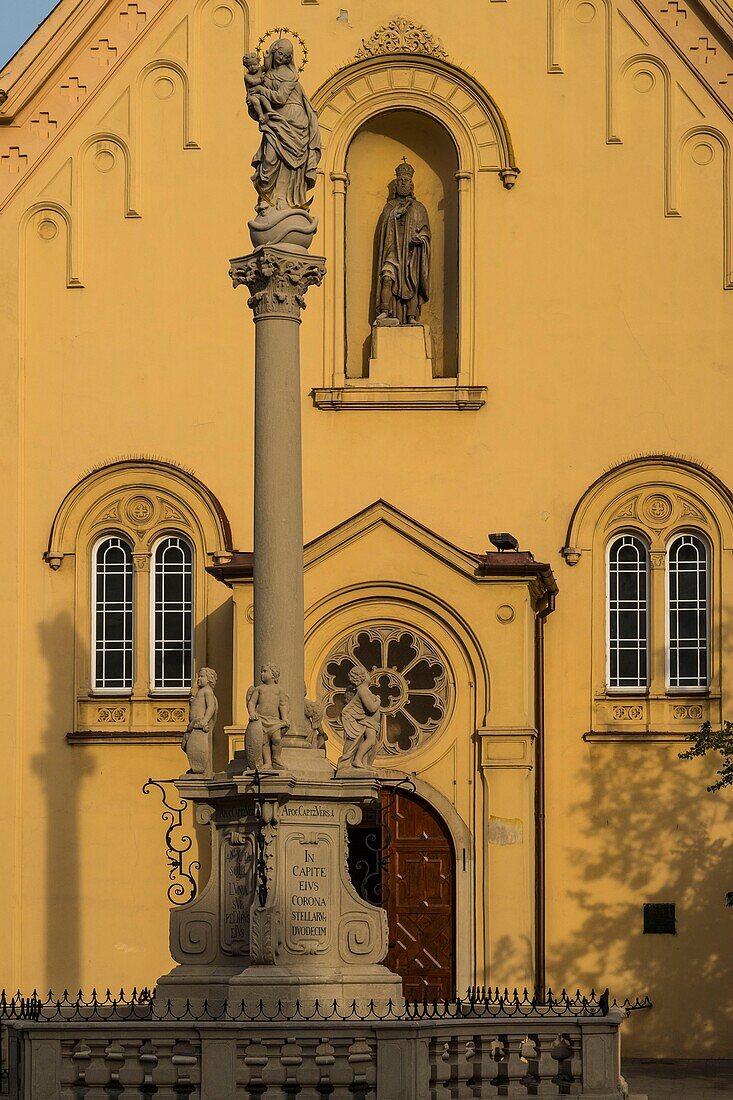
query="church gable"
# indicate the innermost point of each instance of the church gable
(666, 66)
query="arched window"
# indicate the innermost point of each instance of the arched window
(687, 612)
(628, 613)
(113, 615)
(172, 614)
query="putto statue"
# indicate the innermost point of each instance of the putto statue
(290, 149)
(403, 253)
(360, 720)
(269, 717)
(197, 741)
(314, 712)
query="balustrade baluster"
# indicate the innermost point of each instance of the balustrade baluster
(291, 1059)
(114, 1056)
(440, 1069)
(256, 1059)
(309, 1072)
(185, 1064)
(361, 1060)
(576, 1064)
(484, 1067)
(325, 1059)
(82, 1058)
(465, 1053)
(514, 1066)
(543, 1066)
(148, 1060)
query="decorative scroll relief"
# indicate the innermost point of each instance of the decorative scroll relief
(657, 509)
(401, 36)
(406, 671)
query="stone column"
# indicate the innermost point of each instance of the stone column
(278, 278)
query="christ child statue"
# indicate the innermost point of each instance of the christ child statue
(257, 97)
(268, 704)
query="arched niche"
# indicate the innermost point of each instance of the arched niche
(449, 97)
(375, 150)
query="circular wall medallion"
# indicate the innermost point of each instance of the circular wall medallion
(643, 80)
(48, 229)
(506, 613)
(139, 510)
(250, 613)
(223, 16)
(657, 508)
(164, 87)
(104, 160)
(703, 153)
(406, 671)
(585, 12)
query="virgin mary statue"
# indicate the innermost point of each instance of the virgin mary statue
(290, 149)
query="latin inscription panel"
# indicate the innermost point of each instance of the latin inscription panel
(309, 910)
(237, 891)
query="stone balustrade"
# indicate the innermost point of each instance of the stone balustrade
(449, 1058)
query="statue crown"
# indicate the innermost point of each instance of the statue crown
(404, 169)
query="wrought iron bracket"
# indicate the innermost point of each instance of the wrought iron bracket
(178, 843)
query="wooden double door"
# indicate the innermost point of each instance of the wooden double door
(404, 861)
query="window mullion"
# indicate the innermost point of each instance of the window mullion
(657, 625)
(141, 639)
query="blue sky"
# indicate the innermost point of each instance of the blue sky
(18, 20)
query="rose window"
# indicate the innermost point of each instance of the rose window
(405, 670)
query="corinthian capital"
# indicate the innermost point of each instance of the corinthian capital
(277, 280)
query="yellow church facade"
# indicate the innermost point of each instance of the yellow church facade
(568, 384)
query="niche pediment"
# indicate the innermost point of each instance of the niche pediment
(401, 36)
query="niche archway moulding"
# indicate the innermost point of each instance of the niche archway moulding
(477, 127)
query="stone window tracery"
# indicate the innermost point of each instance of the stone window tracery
(407, 672)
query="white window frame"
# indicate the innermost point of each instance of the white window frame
(701, 689)
(626, 690)
(185, 689)
(95, 689)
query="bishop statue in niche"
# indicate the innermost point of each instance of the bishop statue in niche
(403, 253)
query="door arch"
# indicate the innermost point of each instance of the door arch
(419, 888)
(403, 859)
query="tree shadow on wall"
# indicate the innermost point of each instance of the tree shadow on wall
(649, 832)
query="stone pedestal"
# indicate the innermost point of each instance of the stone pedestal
(279, 920)
(402, 355)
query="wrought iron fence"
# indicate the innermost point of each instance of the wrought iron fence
(143, 1005)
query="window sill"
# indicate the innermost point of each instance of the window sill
(126, 715)
(655, 713)
(362, 396)
(124, 737)
(634, 737)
